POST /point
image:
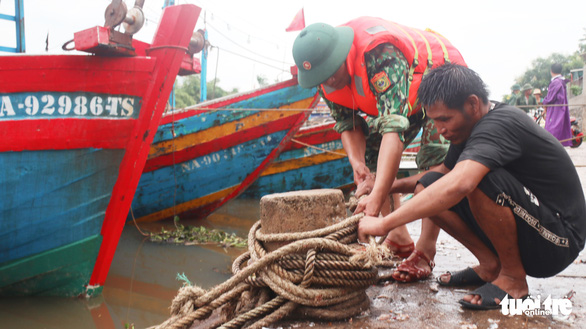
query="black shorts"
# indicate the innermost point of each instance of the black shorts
(546, 245)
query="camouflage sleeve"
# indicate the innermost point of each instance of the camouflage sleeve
(346, 119)
(513, 100)
(388, 72)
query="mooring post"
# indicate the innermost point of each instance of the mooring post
(300, 211)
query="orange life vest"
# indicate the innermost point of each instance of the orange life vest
(422, 49)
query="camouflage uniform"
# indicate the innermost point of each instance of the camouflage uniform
(393, 108)
(512, 99)
(522, 101)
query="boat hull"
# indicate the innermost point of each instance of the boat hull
(51, 232)
(202, 158)
(315, 159)
(74, 138)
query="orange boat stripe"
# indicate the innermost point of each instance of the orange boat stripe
(251, 121)
(186, 206)
(279, 167)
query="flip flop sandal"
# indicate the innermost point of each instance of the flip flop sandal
(488, 292)
(409, 266)
(405, 253)
(465, 277)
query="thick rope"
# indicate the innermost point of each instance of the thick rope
(315, 275)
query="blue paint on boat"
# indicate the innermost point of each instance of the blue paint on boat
(196, 178)
(275, 98)
(62, 198)
(331, 174)
(334, 146)
(198, 123)
(271, 100)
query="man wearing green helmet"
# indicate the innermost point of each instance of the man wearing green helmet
(512, 98)
(526, 98)
(368, 72)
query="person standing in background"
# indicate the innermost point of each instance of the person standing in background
(512, 98)
(537, 95)
(539, 114)
(526, 99)
(557, 121)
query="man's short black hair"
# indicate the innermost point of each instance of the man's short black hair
(451, 84)
(556, 68)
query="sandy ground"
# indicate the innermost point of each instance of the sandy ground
(425, 305)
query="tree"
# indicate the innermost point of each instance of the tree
(539, 74)
(187, 91)
(262, 80)
(215, 91)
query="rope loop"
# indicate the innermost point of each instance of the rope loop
(321, 274)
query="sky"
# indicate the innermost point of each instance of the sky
(498, 39)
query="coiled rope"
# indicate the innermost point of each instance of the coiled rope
(317, 275)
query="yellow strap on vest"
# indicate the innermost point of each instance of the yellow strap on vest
(415, 57)
(429, 54)
(446, 55)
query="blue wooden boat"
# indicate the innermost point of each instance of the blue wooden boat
(75, 131)
(315, 159)
(208, 154)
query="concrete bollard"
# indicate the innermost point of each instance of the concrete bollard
(300, 211)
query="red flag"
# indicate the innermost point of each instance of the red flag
(298, 22)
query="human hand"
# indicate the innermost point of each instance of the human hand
(369, 205)
(370, 225)
(361, 172)
(366, 186)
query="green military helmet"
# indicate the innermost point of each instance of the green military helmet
(319, 50)
(516, 86)
(527, 86)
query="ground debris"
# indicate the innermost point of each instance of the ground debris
(570, 294)
(434, 287)
(466, 325)
(401, 317)
(384, 317)
(565, 319)
(384, 296)
(194, 235)
(494, 324)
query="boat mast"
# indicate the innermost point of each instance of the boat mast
(18, 20)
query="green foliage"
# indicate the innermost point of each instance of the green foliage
(575, 90)
(214, 91)
(192, 235)
(187, 91)
(262, 80)
(539, 76)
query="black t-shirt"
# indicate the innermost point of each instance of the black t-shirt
(507, 137)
